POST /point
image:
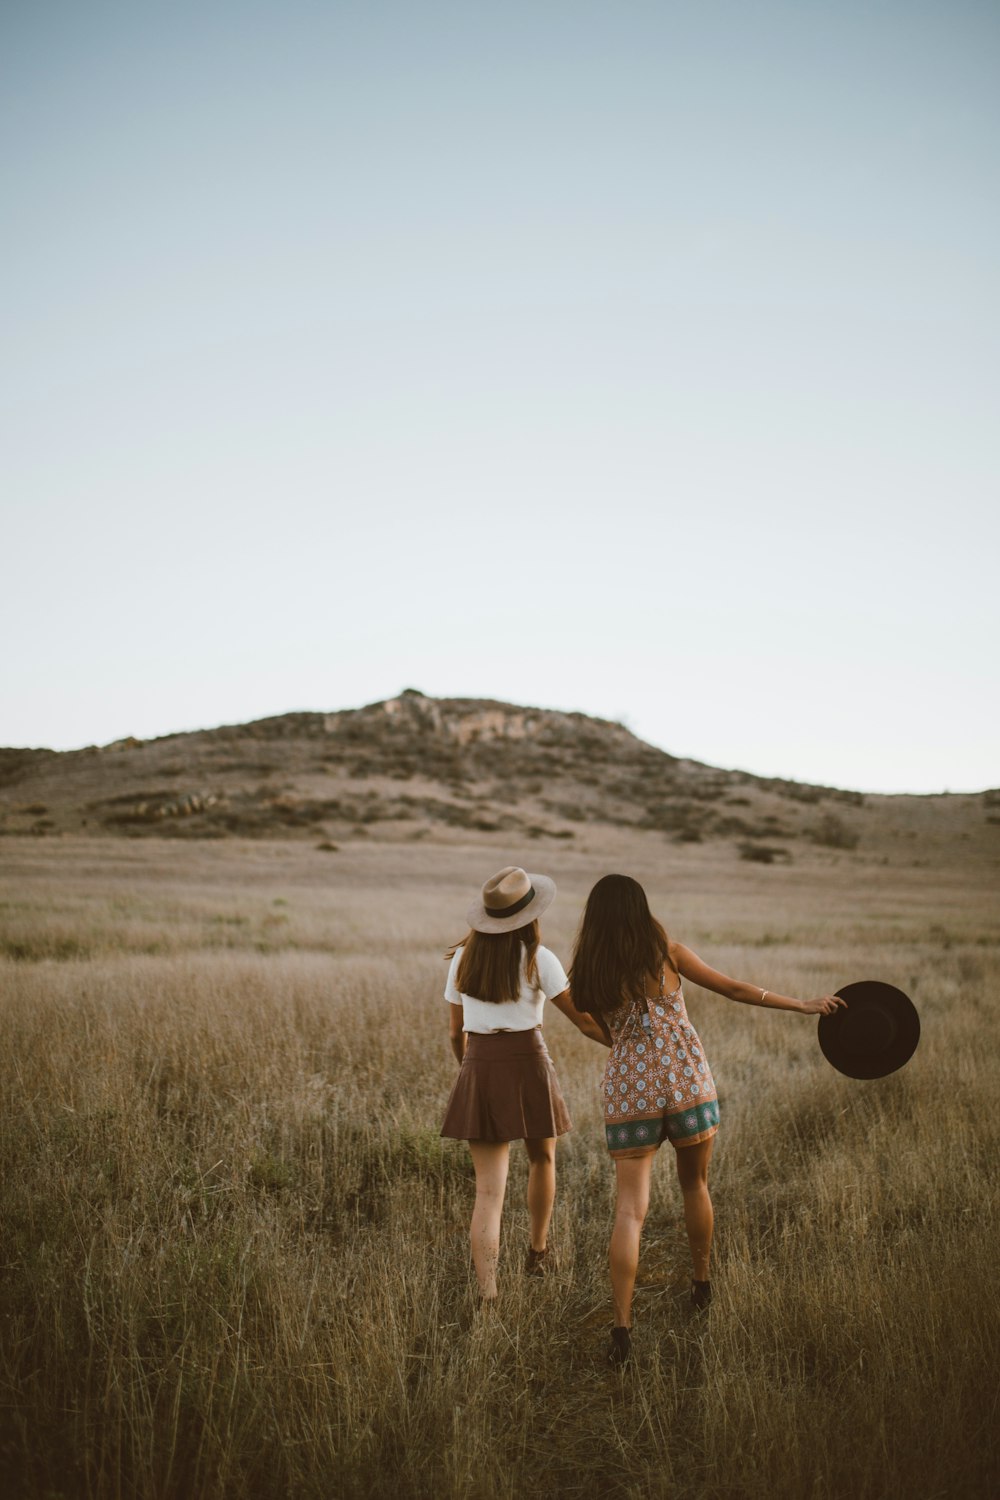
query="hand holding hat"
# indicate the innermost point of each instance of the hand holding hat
(824, 1006)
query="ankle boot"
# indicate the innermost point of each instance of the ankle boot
(538, 1262)
(701, 1295)
(620, 1349)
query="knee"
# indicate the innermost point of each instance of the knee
(542, 1156)
(632, 1211)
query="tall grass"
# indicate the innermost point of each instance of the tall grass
(233, 1254)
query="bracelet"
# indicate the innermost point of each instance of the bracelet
(762, 994)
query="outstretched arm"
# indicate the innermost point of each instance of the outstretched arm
(690, 966)
(582, 1019)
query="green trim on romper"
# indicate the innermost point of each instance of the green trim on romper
(628, 1134)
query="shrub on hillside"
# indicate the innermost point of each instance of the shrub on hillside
(763, 854)
(831, 832)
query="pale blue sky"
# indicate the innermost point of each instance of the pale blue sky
(632, 357)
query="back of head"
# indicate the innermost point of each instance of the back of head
(490, 965)
(619, 946)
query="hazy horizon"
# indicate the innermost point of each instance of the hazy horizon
(542, 707)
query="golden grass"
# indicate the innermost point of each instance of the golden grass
(234, 1259)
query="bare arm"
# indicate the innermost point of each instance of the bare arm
(690, 966)
(581, 1019)
(455, 1033)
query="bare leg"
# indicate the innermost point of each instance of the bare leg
(541, 1187)
(490, 1159)
(692, 1170)
(630, 1213)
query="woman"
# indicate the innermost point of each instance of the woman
(657, 1083)
(499, 980)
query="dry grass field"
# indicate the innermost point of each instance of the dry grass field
(233, 1256)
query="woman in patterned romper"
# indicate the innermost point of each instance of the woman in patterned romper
(657, 1084)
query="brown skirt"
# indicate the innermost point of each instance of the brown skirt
(506, 1090)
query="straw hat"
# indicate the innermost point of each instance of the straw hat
(875, 1035)
(511, 899)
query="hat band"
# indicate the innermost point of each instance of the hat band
(510, 911)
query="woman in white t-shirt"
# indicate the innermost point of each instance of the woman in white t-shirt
(498, 983)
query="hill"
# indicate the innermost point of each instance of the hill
(417, 767)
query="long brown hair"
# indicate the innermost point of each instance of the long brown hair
(490, 966)
(620, 945)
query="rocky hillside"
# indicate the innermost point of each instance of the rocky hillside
(414, 767)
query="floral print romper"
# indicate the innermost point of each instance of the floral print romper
(657, 1082)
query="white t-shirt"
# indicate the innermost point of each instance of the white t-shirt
(521, 1014)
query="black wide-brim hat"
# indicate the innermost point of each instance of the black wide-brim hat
(875, 1035)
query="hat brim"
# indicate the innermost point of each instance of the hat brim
(875, 1035)
(545, 893)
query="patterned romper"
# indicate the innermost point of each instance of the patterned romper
(657, 1082)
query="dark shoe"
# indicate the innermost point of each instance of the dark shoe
(620, 1350)
(539, 1262)
(701, 1295)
